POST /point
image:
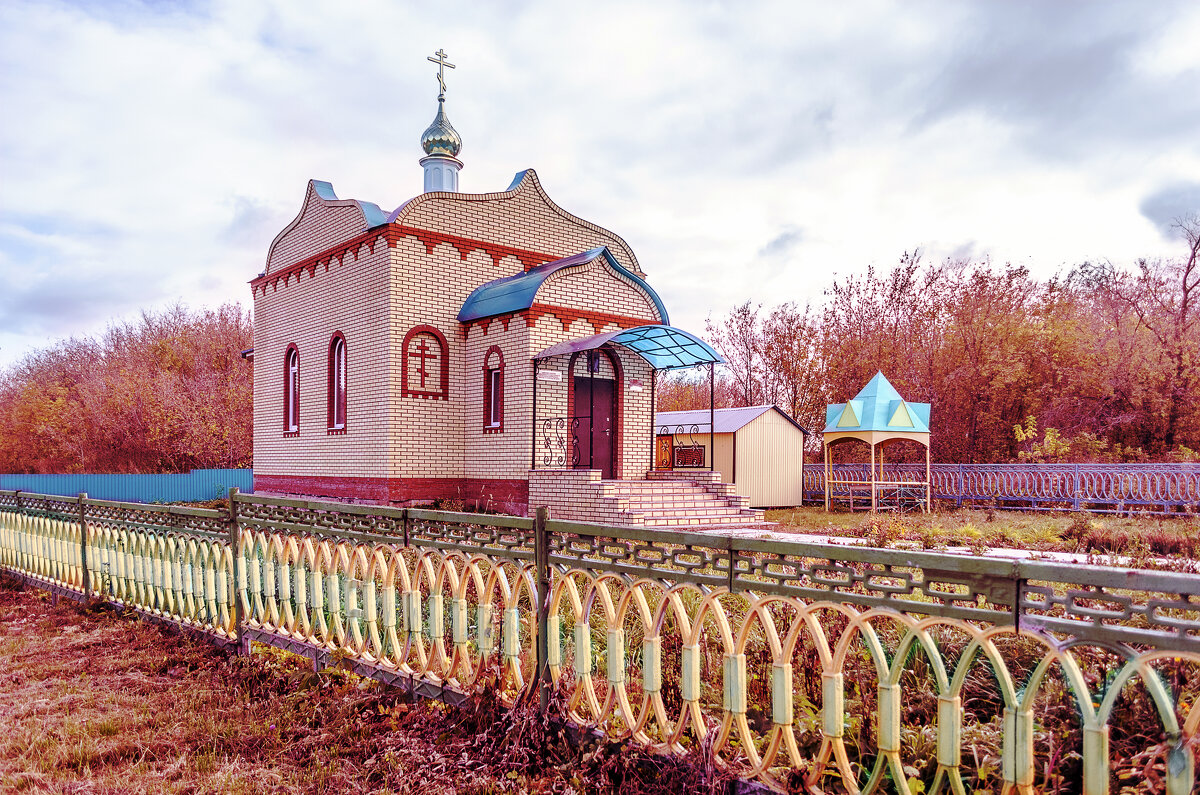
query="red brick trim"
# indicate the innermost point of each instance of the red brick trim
(373, 489)
(476, 493)
(444, 380)
(493, 424)
(291, 390)
(332, 398)
(465, 246)
(325, 258)
(393, 234)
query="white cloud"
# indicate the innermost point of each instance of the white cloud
(151, 151)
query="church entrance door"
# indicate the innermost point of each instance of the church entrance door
(596, 411)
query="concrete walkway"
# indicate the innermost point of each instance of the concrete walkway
(766, 531)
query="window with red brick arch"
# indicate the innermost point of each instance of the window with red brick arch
(291, 391)
(493, 390)
(337, 384)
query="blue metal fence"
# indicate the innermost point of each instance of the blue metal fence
(1098, 488)
(194, 486)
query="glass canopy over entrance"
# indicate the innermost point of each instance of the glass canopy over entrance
(663, 347)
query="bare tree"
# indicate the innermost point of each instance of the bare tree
(1165, 297)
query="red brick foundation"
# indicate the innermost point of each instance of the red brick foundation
(507, 496)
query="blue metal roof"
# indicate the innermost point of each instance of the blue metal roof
(371, 212)
(515, 293)
(877, 407)
(664, 347)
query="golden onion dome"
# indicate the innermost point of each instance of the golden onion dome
(441, 138)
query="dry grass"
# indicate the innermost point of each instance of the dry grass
(978, 529)
(92, 702)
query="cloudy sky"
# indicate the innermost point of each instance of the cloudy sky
(149, 151)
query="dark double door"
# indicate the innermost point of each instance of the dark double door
(595, 433)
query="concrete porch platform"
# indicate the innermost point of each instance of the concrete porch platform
(691, 500)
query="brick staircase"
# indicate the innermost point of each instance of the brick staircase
(677, 499)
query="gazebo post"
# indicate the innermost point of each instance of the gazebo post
(928, 482)
(828, 473)
(873, 506)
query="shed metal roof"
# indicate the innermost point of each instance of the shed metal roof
(724, 420)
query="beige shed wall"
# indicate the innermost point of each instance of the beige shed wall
(770, 461)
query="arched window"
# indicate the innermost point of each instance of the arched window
(425, 368)
(291, 391)
(336, 414)
(493, 390)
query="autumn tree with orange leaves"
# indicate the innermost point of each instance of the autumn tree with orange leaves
(1100, 365)
(168, 392)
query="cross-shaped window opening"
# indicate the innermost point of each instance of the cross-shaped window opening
(424, 367)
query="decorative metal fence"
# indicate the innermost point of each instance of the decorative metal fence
(854, 669)
(1098, 488)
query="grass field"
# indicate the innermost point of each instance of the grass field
(1134, 536)
(95, 702)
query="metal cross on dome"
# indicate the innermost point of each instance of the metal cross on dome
(442, 63)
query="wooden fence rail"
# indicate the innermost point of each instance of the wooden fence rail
(858, 669)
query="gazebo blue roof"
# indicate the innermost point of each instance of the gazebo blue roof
(516, 293)
(877, 407)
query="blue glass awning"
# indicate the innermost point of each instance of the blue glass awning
(664, 347)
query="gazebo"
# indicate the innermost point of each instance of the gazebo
(877, 416)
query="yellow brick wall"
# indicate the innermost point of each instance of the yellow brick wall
(351, 298)
(597, 288)
(524, 218)
(321, 225)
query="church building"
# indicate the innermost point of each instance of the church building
(488, 350)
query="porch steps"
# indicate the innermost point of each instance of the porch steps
(678, 499)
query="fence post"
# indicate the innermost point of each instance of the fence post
(234, 539)
(541, 556)
(83, 561)
(960, 485)
(1075, 487)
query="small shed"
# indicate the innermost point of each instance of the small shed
(760, 449)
